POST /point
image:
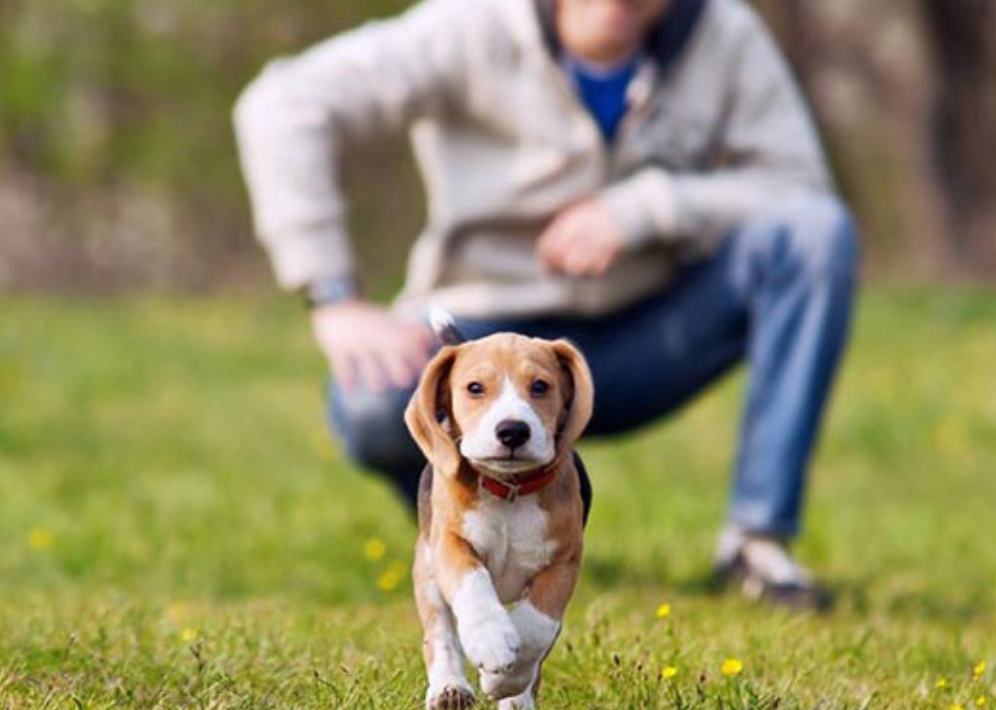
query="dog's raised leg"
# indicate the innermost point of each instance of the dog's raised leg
(537, 618)
(448, 687)
(486, 632)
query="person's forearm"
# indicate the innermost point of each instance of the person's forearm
(711, 205)
(286, 154)
(292, 120)
(655, 205)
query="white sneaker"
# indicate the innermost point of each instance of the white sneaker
(763, 568)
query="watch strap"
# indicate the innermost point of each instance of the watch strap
(328, 291)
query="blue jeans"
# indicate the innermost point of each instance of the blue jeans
(777, 293)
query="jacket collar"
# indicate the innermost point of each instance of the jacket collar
(664, 43)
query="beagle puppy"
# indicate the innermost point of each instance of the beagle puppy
(502, 506)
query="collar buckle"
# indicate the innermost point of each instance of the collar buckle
(509, 490)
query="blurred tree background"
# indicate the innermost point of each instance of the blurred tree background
(118, 169)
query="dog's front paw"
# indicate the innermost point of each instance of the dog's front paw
(507, 684)
(525, 701)
(491, 642)
(451, 697)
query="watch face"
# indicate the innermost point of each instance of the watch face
(331, 291)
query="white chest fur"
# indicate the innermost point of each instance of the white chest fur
(511, 539)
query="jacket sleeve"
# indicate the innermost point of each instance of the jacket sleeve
(766, 148)
(292, 119)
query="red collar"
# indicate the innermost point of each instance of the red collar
(521, 485)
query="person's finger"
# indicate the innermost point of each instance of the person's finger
(599, 260)
(579, 257)
(600, 265)
(571, 266)
(551, 241)
(579, 267)
(559, 245)
(545, 250)
(416, 354)
(403, 352)
(397, 367)
(593, 251)
(369, 369)
(421, 337)
(342, 368)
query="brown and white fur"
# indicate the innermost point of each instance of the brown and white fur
(492, 575)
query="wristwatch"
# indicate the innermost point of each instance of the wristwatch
(328, 291)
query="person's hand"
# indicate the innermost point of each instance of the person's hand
(583, 240)
(369, 345)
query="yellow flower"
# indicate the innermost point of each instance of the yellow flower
(669, 672)
(392, 577)
(941, 683)
(188, 635)
(980, 701)
(663, 611)
(979, 669)
(955, 706)
(732, 666)
(40, 538)
(375, 549)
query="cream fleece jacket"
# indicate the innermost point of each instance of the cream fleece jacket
(504, 143)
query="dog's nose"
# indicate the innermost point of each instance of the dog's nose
(512, 433)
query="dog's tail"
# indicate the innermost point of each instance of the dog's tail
(444, 327)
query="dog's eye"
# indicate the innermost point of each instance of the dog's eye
(475, 388)
(540, 387)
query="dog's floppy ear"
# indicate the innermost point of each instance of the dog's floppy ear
(579, 395)
(428, 412)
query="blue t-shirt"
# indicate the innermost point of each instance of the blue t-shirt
(603, 92)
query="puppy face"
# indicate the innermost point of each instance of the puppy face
(507, 400)
(505, 403)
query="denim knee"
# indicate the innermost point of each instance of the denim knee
(817, 235)
(372, 429)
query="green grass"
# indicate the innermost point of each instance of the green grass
(176, 530)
